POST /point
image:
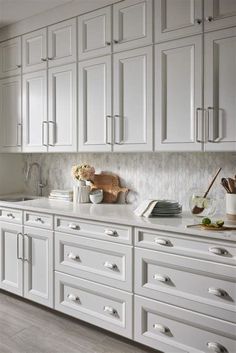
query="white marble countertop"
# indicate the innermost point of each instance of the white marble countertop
(120, 214)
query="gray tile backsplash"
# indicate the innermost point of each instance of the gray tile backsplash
(147, 175)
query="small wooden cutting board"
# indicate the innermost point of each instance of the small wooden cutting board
(110, 184)
(212, 228)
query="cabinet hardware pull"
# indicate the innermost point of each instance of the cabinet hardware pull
(50, 58)
(216, 347)
(110, 310)
(19, 140)
(73, 226)
(17, 246)
(209, 18)
(18, 66)
(162, 241)
(109, 265)
(28, 257)
(54, 132)
(161, 278)
(39, 219)
(10, 215)
(108, 117)
(110, 232)
(116, 41)
(73, 298)
(220, 125)
(197, 125)
(43, 143)
(108, 43)
(43, 59)
(161, 328)
(72, 256)
(121, 129)
(217, 292)
(198, 21)
(218, 251)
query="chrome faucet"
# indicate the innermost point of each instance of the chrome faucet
(28, 173)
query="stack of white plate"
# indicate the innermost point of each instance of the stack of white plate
(166, 208)
(61, 195)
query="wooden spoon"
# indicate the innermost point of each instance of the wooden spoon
(224, 183)
(231, 185)
(196, 209)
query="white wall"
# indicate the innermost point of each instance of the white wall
(11, 173)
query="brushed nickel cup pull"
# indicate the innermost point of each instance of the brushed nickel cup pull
(109, 310)
(161, 328)
(216, 347)
(116, 41)
(161, 241)
(198, 21)
(109, 265)
(18, 66)
(43, 59)
(73, 226)
(72, 256)
(39, 219)
(110, 232)
(161, 278)
(73, 298)
(10, 215)
(108, 43)
(217, 292)
(209, 18)
(218, 251)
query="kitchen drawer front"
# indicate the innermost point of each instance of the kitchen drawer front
(159, 274)
(10, 215)
(34, 219)
(95, 260)
(99, 305)
(176, 330)
(98, 230)
(188, 245)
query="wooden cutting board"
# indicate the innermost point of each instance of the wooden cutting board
(224, 228)
(110, 184)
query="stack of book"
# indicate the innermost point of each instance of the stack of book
(158, 208)
(61, 195)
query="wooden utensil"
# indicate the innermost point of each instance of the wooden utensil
(224, 183)
(231, 185)
(196, 209)
(110, 184)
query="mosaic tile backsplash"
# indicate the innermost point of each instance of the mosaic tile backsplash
(147, 175)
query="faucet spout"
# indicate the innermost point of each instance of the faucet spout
(40, 182)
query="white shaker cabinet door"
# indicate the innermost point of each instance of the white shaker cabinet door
(11, 255)
(178, 95)
(10, 114)
(177, 18)
(38, 265)
(34, 50)
(219, 14)
(35, 112)
(62, 118)
(132, 24)
(133, 110)
(62, 43)
(10, 57)
(94, 33)
(95, 121)
(220, 89)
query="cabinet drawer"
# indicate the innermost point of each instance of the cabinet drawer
(38, 220)
(205, 248)
(10, 215)
(95, 260)
(164, 276)
(99, 305)
(172, 329)
(105, 231)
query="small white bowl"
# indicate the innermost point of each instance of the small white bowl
(96, 196)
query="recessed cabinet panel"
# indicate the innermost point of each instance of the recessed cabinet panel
(94, 33)
(35, 111)
(35, 50)
(10, 114)
(62, 43)
(220, 89)
(95, 120)
(133, 100)
(178, 95)
(62, 109)
(219, 14)
(11, 254)
(132, 24)
(38, 266)
(177, 18)
(10, 57)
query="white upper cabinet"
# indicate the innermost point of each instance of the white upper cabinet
(34, 50)
(62, 43)
(38, 265)
(62, 120)
(133, 111)
(177, 18)
(220, 89)
(94, 33)
(219, 14)
(178, 95)
(95, 121)
(35, 111)
(132, 24)
(10, 114)
(10, 57)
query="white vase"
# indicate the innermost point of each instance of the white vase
(83, 192)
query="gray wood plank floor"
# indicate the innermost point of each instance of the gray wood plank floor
(29, 328)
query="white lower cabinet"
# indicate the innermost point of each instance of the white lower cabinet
(173, 329)
(97, 304)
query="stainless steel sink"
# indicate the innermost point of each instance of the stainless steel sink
(17, 199)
